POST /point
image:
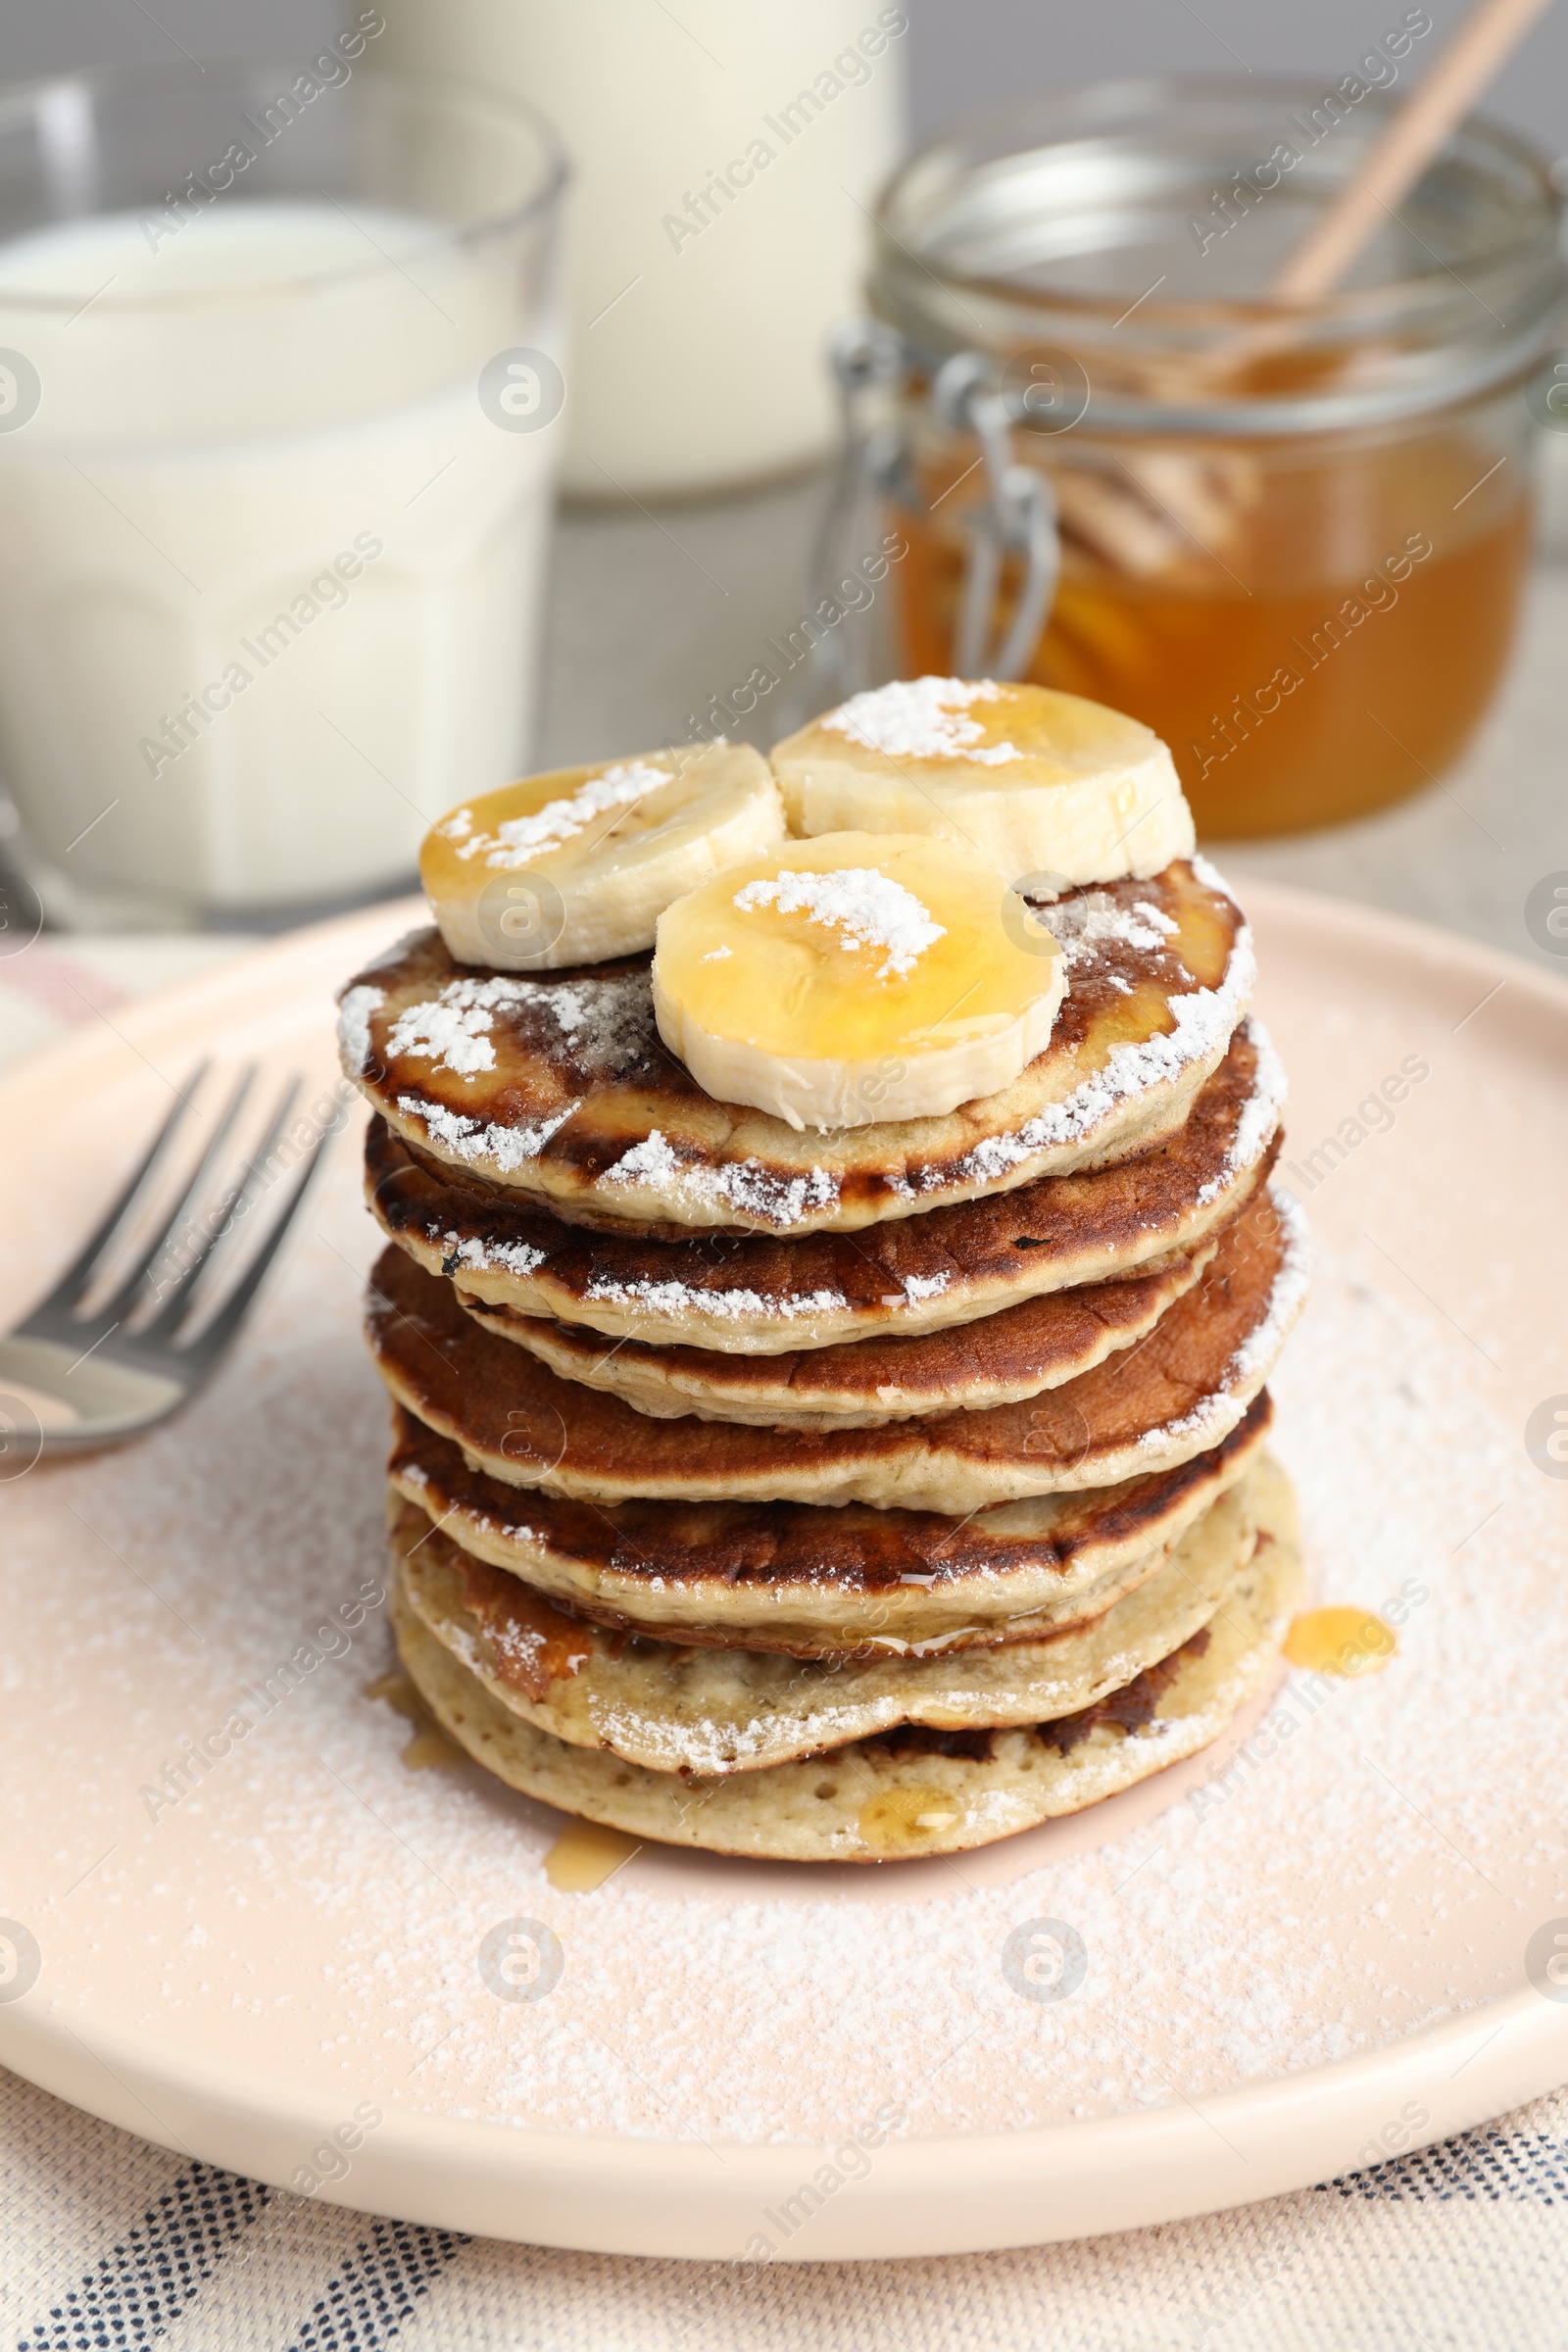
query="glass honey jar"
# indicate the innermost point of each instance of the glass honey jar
(1290, 537)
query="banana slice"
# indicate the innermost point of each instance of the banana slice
(577, 865)
(1038, 783)
(856, 977)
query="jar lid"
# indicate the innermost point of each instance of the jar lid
(1124, 237)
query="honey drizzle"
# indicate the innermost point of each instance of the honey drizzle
(429, 1750)
(586, 1855)
(903, 1821)
(1340, 1639)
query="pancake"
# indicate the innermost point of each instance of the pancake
(1148, 1407)
(910, 1793)
(753, 1294)
(708, 1710)
(811, 1582)
(555, 1085)
(970, 1367)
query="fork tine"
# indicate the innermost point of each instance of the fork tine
(217, 1333)
(182, 1297)
(124, 1299)
(77, 1276)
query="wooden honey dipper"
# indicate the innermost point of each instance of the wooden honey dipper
(1139, 520)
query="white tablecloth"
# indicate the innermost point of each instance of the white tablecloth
(109, 2242)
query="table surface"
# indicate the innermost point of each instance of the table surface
(113, 2240)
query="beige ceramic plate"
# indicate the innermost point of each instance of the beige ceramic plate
(318, 1966)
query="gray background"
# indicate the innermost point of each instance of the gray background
(964, 53)
(637, 635)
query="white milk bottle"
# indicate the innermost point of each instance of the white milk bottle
(727, 155)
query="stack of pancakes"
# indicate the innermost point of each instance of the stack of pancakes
(833, 1496)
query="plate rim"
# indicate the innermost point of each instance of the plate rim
(936, 2194)
(929, 2195)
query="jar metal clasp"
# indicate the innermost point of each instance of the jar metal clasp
(1014, 517)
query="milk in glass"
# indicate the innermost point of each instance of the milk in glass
(271, 544)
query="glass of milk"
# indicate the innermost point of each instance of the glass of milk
(279, 388)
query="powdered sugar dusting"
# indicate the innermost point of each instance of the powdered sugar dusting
(741, 1184)
(609, 1026)
(354, 1026)
(607, 1018)
(680, 1299)
(520, 840)
(453, 1030)
(652, 1162)
(482, 1257)
(609, 1023)
(1091, 919)
(459, 1253)
(1204, 1019)
(1157, 916)
(474, 1140)
(746, 1185)
(1316, 1899)
(923, 719)
(1214, 1416)
(1260, 1116)
(1254, 1359)
(868, 910)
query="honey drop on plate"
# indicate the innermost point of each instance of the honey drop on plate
(399, 1693)
(429, 1750)
(585, 1855)
(1340, 1639)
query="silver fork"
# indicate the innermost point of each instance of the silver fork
(118, 1368)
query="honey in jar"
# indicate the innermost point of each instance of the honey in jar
(1292, 539)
